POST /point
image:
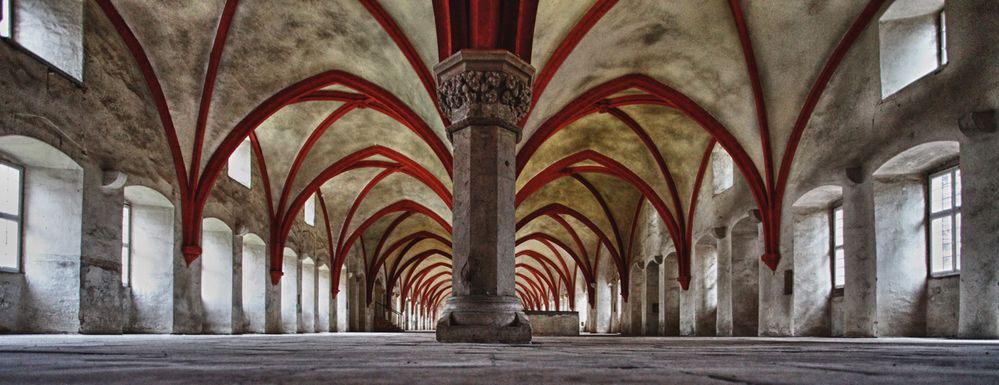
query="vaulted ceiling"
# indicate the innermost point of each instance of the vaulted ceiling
(629, 99)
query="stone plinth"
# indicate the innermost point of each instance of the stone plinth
(484, 93)
(554, 323)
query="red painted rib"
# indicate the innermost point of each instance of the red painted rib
(225, 21)
(832, 63)
(262, 165)
(592, 16)
(399, 37)
(762, 120)
(155, 90)
(656, 155)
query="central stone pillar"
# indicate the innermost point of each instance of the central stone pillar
(484, 93)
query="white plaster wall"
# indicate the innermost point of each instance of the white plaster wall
(51, 256)
(323, 299)
(255, 279)
(152, 275)
(216, 277)
(289, 294)
(308, 296)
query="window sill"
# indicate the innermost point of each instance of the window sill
(51, 67)
(5, 271)
(945, 275)
(838, 292)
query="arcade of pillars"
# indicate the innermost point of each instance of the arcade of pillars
(660, 168)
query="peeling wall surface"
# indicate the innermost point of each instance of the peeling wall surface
(620, 161)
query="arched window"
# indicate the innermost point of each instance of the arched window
(254, 283)
(51, 31)
(11, 191)
(945, 221)
(722, 169)
(818, 261)
(916, 209)
(216, 276)
(913, 42)
(147, 261)
(43, 294)
(240, 168)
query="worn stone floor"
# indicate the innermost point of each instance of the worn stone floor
(371, 358)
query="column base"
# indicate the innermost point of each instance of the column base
(484, 319)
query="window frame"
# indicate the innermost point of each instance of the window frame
(8, 5)
(837, 290)
(126, 281)
(19, 218)
(6, 16)
(940, 22)
(955, 210)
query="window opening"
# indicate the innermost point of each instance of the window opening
(945, 221)
(11, 220)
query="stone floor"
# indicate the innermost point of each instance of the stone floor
(366, 358)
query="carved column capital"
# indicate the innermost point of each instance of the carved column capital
(484, 88)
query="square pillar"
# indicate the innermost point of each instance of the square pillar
(860, 250)
(979, 304)
(102, 309)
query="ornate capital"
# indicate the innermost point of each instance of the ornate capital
(484, 87)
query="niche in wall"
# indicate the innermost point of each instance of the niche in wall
(152, 252)
(815, 311)
(289, 292)
(255, 279)
(216, 276)
(905, 290)
(43, 292)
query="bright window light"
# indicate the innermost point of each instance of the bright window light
(945, 221)
(126, 244)
(309, 211)
(722, 169)
(240, 168)
(839, 257)
(11, 190)
(913, 42)
(5, 18)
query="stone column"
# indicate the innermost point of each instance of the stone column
(860, 250)
(979, 305)
(484, 93)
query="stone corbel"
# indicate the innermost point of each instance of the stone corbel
(720, 232)
(754, 215)
(975, 124)
(112, 180)
(856, 175)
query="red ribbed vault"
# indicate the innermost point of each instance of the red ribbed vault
(629, 100)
